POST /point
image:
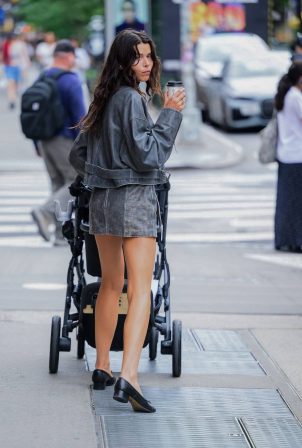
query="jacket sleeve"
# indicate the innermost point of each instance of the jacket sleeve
(78, 153)
(149, 145)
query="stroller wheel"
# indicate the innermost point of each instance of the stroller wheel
(54, 344)
(176, 348)
(81, 343)
(153, 343)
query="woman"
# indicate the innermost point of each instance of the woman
(125, 153)
(17, 62)
(288, 219)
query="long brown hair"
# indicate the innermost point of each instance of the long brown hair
(286, 82)
(117, 72)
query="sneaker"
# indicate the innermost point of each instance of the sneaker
(42, 224)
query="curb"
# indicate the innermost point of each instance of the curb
(213, 151)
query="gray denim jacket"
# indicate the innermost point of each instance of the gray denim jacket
(130, 148)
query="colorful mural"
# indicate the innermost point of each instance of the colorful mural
(210, 17)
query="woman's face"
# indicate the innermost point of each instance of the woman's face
(143, 65)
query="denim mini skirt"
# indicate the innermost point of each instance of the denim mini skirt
(127, 211)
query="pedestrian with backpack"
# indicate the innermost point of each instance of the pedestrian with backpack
(50, 110)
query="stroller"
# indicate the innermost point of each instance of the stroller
(83, 296)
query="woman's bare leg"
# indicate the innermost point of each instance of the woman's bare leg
(139, 256)
(12, 91)
(106, 313)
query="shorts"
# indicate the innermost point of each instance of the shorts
(13, 72)
(127, 211)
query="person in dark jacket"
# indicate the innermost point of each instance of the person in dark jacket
(130, 19)
(55, 151)
(125, 153)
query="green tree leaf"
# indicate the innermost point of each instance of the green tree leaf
(65, 17)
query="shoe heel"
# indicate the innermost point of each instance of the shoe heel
(99, 386)
(121, 396)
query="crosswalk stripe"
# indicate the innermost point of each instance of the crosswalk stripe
(28, 228)
(22, 193)
(14, 209)
(219, 205)
(218, 238)
(256, 223)
(16, 217)
(21, 201)
(219, 214)
(225, 198)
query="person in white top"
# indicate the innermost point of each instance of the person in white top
(45, 49)
(16, 65)
(288, 218)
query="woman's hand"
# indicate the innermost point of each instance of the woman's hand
(176, 101)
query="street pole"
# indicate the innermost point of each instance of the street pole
(109, 24)
(190, 129)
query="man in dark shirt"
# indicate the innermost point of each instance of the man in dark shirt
(130, 19)
(55, 151)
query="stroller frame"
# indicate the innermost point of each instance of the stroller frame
(75, 227)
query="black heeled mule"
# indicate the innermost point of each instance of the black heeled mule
(101, 379)
(124, 392)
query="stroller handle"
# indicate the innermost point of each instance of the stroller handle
(63, 216)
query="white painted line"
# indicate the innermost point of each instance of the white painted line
(282, 259)
(29, 242)
(21, 201)
(19, 193)
(30, 228)
(14, 209)
(220, 205)
(239, 223)
(247, 180)
(205, 189)
(175, 199)
(219, 214)
(44, 286)
(218, 237)
(16, 217)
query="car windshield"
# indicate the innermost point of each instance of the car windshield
(218, 49)
(252, 69)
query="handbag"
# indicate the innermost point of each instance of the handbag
(269, 141)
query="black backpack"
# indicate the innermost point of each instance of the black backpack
(42, 111)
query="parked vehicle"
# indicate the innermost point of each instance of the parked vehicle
(211, 53)
(243, 96)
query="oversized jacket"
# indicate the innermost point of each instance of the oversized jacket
(129, 148)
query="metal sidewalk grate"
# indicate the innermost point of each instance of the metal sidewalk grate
(149, 431)
(222, 361)
(197, 402)
(274, 432)
(219, 340)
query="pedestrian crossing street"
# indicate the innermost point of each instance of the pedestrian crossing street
(207, 207)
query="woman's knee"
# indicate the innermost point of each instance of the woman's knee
(113, 285)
